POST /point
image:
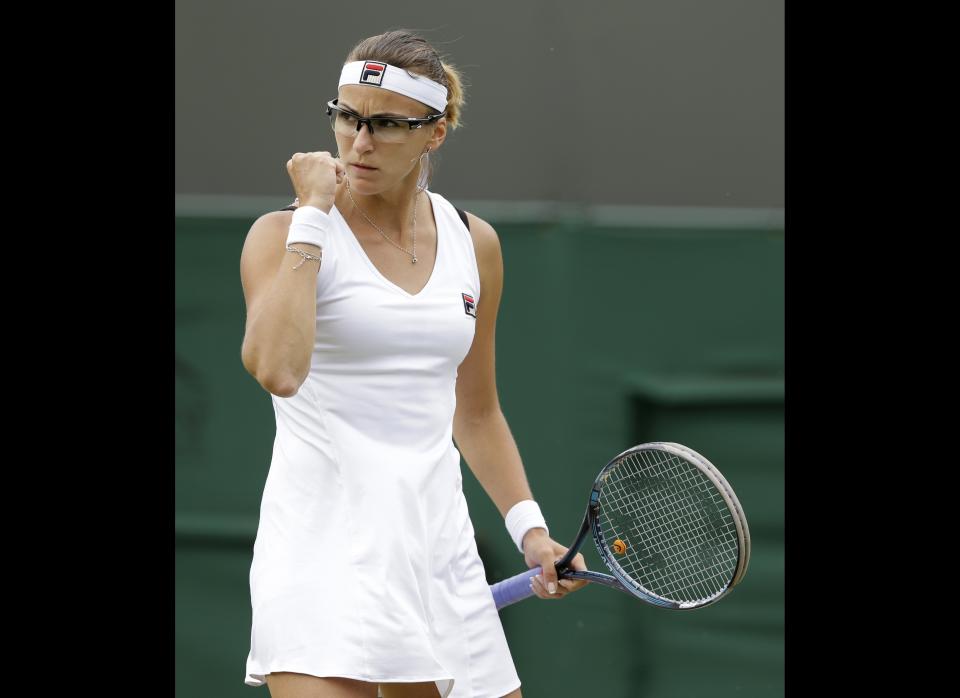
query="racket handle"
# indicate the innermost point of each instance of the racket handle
(513, 589)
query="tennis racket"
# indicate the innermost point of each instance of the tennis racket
(667, 525)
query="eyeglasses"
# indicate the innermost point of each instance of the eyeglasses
(384, 129)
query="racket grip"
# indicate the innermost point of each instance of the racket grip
(513, 589)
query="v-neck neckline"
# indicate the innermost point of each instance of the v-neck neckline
(378, 273)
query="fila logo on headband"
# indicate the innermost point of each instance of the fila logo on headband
(373, 73)
(469, 307)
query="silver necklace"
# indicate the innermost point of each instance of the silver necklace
(413, 255)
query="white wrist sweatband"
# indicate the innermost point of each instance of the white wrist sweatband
(310, 225)
(523, 516)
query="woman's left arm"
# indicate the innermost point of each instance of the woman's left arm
(480, 428)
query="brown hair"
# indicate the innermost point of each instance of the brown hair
(406, 50)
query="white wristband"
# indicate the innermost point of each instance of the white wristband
(523, 516)
(310, 225)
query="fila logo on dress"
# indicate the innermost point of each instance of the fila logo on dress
(469, 307)
(373, 73)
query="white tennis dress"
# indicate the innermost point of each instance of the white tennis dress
(365, 564)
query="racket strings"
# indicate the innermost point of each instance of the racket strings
(690, 562)
(700, 570)
(682, 541)
(676, 562)
(664, 568)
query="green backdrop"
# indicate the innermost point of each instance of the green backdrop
(618, 325)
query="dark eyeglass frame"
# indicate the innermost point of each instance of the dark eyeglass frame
(412, 122)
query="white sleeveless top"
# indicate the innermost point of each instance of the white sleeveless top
(365, 564)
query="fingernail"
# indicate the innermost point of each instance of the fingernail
(552, 588)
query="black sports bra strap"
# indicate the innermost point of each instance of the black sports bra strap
(463, 217)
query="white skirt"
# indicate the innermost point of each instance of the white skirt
(405, 601)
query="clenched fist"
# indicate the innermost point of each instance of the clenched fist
(315, 177)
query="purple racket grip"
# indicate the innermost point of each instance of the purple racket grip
(516, 588)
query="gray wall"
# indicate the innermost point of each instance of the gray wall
(672, 102)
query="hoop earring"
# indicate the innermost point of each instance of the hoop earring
(424, 154)
(422, 179)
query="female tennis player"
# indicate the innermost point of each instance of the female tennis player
(371, 308)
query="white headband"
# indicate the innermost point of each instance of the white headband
(389, 77)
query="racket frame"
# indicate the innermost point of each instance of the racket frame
(726, 492)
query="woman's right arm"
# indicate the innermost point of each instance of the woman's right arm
(279, 286)
(281, 306)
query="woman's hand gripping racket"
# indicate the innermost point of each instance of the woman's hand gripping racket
(667, 525)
